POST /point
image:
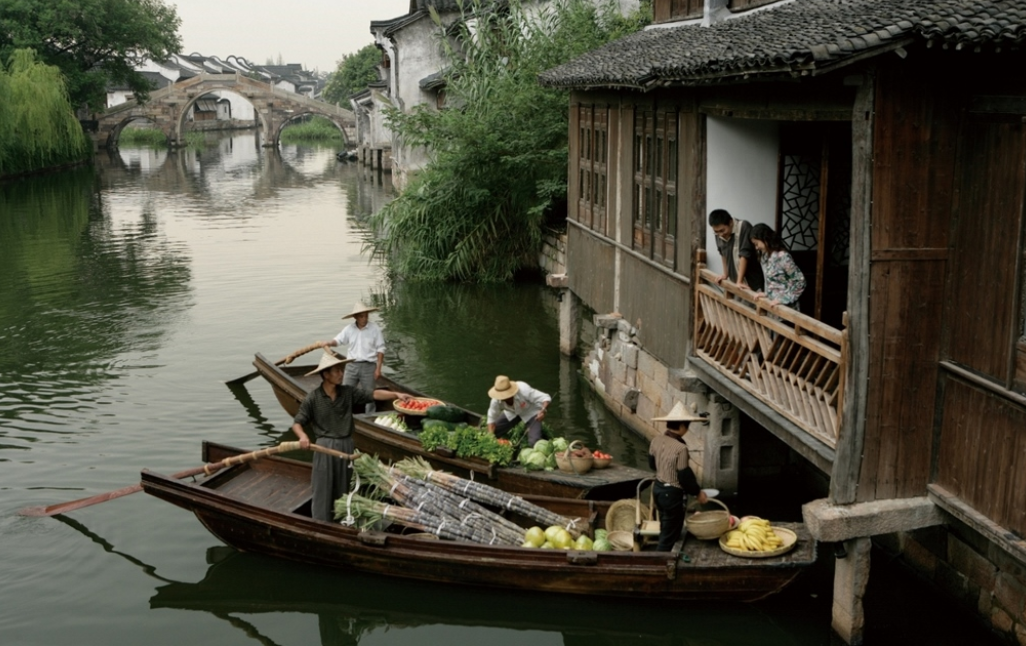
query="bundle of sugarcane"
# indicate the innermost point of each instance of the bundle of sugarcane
(370, 512)
(435, 501)
(419, 468)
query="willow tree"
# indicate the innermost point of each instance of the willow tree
(498, 156)
(38, 128)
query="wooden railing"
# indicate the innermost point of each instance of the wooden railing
(791, 362)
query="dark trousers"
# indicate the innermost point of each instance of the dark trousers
(534, 430)
(670, 502)
(329, 478)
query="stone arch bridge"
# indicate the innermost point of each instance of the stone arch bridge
(274, 109)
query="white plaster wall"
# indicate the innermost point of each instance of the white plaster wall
(242, 109)
(742, 173)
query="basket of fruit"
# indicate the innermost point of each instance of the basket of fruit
(600, 460)
(576, 459)
(756, 538)
(415, 405)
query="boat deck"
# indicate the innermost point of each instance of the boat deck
(260, 484)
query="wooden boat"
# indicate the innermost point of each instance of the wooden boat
(263, 507)
(613, 483)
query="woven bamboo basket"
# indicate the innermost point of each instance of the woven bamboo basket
(568, 462)
(707, 525)
(621, 541)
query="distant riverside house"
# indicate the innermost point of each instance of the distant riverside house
(412, 72)
(885, 140)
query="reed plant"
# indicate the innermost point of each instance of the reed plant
(38, 128)
(142, 137)
(498, 151)
(316, 129)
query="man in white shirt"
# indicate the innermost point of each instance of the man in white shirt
(513, 401)
(366, 350)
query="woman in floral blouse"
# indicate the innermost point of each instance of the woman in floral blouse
(784, 282)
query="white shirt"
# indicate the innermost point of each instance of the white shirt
(527, 403)
(363, 345)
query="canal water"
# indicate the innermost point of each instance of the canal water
(130, 291)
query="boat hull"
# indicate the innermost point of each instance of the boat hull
(253, 507)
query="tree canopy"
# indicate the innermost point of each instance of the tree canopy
(498, 153)
(353, 74)
(95, 43)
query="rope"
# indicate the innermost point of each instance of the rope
(349, 520)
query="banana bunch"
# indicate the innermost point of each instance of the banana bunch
(753, 534)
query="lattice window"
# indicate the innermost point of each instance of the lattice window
(592, 188)
(668, 10)
(800, 202)
(654, 201)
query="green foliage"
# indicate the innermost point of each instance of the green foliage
(467, 442)
(195, 140)
(353, 74)
(498, 155)
(38, 128)
(95, 43)
(142, 138)
(315, 129)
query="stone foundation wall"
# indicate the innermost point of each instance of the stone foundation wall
(975, 572)
(552, 259)
(636, 387)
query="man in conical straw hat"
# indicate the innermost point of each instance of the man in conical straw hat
(327, 414)
(675, 481)
(366, 350)
(513, 401)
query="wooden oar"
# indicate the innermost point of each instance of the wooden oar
(289, 359)
(206, 469)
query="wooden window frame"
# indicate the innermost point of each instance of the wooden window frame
(593, 167)
(654, 199)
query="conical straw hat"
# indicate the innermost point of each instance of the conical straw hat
(503, 388)
(360, 308)
(328, 359)
(679, 413)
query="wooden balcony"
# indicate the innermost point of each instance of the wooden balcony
(791, 363)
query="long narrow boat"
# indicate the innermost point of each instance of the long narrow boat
(613, 483)
(262, 507)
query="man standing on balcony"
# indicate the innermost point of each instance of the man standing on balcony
(734, 242)
(668, 457)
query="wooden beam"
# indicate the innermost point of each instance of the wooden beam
(976, 521)
(844, 478)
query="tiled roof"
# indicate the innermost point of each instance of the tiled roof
(789, 39)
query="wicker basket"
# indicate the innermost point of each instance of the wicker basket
(623, 514)
(708, 525)
(600, 463)
(568, 462)
(621, 541)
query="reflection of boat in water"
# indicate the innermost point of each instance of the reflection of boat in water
(290, 386)
(350, 605)
(263, 507)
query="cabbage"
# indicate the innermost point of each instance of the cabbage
(535, 461)
(550, 462)
(583, 543)
(601, 545)
(544, 446)
(524, 454)
(601, 533)
(560, 444)
(551, 531)
(547, 546)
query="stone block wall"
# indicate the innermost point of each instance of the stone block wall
(552, 259)
(975, 573)
(636, 387)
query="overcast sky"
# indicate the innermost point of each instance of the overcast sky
(315, 33)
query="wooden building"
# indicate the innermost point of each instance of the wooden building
(885, 140)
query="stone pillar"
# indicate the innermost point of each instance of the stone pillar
(851, 574)
(722, 445)
(569, 314)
